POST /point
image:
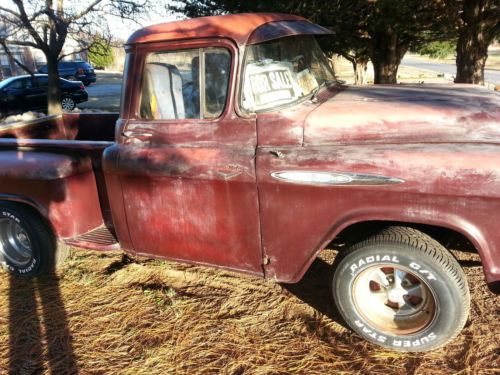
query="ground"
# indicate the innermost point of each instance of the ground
(447, 65)
(105, 93)
(108, 314)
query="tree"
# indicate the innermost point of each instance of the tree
(378, 30)
(387, 29)
(46, 24)
(101, 53)
(478, 24)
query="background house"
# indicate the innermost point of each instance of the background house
(34, 58)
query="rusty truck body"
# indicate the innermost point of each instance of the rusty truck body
(236, 147)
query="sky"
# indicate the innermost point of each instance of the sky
(122, 29)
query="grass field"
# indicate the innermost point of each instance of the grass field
(109, 314)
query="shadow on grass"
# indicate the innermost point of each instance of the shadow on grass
(314, 289)
(38, 328)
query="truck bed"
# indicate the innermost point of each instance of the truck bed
(47, 154)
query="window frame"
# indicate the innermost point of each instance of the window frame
(179, 46)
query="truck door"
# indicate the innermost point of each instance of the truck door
(187, 162)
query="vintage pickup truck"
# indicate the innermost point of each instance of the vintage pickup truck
(236, 147)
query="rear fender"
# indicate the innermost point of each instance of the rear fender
(62, 188)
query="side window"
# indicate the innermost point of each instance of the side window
(42, 82)
(173, 88)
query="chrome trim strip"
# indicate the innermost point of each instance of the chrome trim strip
(334, 178)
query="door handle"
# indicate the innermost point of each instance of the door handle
(133, 134)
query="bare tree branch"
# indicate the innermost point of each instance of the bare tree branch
(9, 11)
(18, 43)
(25, 20)
(87, 10)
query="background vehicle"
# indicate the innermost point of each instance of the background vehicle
(26, 93)
(240, 150)
(74, 71)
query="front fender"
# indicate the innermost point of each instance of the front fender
(451, 186)
(483, 239)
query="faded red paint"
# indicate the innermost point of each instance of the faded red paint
(201, 191)
(238, 27)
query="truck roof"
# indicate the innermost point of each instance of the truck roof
(238, 27)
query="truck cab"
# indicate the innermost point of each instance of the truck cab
(188, 135)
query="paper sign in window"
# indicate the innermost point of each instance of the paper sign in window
(272, 86)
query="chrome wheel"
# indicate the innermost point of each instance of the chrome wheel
(394, 299)
(15, 244)
(67, 104)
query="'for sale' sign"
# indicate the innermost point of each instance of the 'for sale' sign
(272, 86)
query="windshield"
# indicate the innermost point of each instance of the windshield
(7, 82)
(283, 71)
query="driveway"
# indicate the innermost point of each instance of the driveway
(491, 76)
(105, 93)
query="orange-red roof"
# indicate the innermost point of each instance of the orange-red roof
(238, 27)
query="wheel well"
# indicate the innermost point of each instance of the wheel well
(449, 238)
(31, 208)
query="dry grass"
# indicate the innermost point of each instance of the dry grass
(105, 314)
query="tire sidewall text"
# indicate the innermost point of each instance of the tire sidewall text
(439, 283)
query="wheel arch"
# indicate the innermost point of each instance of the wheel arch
(40, 209)
(463, 231)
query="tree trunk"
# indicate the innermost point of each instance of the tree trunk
(472, 46)
(53, 90)
(386, 56)
(334, 63)
(360, 66)
(385, 72)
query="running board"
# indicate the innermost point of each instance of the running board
(97, 239)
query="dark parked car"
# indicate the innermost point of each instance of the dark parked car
(25, 93)
(74, 71)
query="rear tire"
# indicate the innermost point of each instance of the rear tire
(402, 290)
(27, 246)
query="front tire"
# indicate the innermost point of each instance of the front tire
(402, 290)
(27, 245)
